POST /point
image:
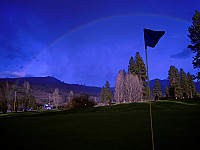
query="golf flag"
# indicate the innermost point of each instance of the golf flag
(151, 37)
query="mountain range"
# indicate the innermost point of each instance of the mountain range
(43, 87)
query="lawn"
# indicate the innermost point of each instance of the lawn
(176, 125)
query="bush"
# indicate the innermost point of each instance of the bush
(4, 107)
(81, 101)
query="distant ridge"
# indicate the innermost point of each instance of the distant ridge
(52, 82)
(41, 87)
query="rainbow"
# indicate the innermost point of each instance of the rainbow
(96, 22)
(102, 20)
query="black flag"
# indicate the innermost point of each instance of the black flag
(151, 37)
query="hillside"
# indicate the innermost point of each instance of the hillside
(42, 87)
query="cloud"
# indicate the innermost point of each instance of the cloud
(13, 74)
(185, 53)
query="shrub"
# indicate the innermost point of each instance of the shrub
(81, 101)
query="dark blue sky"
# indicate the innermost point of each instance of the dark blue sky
(89, 41)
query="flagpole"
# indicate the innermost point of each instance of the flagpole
(149, 98)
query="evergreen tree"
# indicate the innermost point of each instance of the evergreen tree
(194, 36)
(174, 82)
(140, 69)
(108, 93)
(124, 73)
(157, 92)
(191, 87)
(119, 87)
(137, 66)
(131, 65)
(183, 83)
(102, 95)
(166, 92)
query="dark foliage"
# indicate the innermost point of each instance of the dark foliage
(4, 96)
(81, 101)
(194, 36)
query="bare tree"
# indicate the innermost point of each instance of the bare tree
(27, 97)
(70, 96)
(133, 88)
(15, 102)
(137, 89)
(4, 97)
(56, 98)
(119, 88)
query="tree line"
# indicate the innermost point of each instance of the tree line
(132, 86)
(15, 103)
(26, 101)
(129, 87)
(181, 85)
(23, 100)
(194, 35)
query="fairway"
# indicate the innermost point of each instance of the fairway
(125, 126)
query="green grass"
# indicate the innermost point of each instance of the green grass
(176, 125)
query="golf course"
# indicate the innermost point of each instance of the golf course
(176, 125)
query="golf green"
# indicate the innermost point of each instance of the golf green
(176, 125)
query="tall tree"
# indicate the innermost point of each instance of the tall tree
(133, 88)
(131, 65)
(108, 93)
(191, 87)
(174, 82)
(27, 96)
(183, 83)
(157, 92)
(32, 103)
(102, 95)
(4, 96)
(166, 92)
(120, 87)
(124, 73)
(14, 103)
(194, 35)
(137, 66)
(71, 95)
(56, 98)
